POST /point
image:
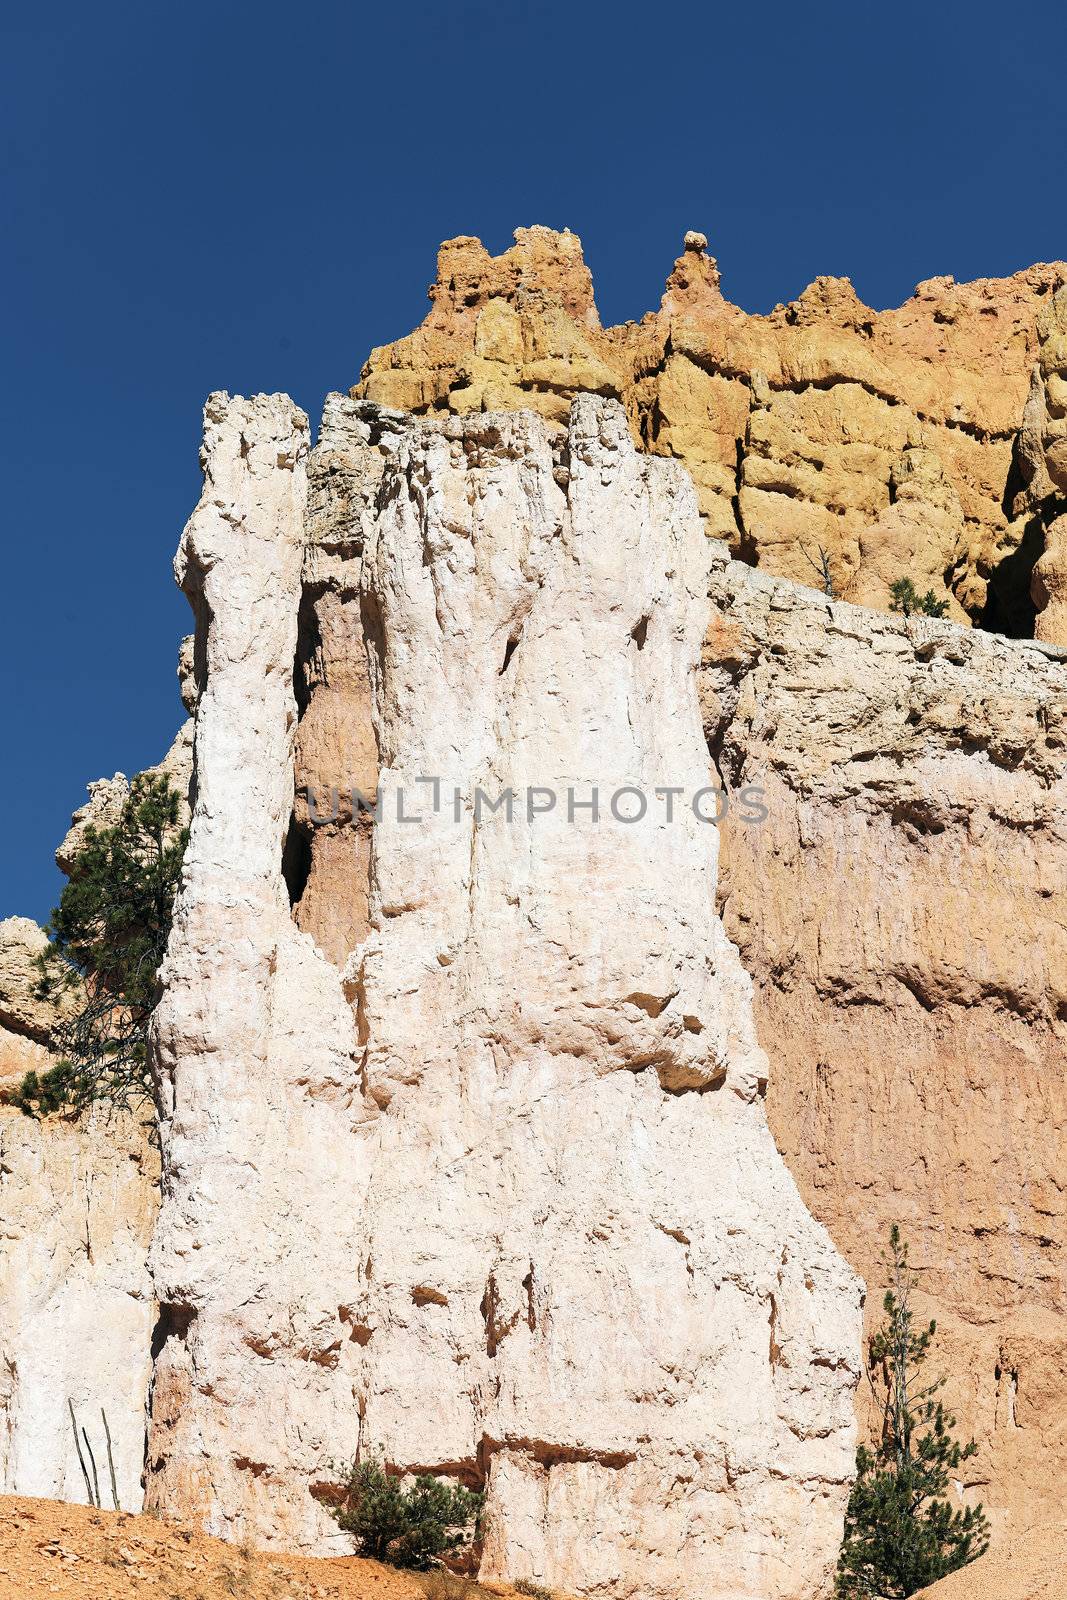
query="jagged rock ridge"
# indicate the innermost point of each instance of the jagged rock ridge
(888, 440)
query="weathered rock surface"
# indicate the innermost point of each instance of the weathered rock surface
(1043, 451)
(76, 1210)
(26, 1019)
(77, 1204)
(799, 428)
(901, 910)
(336, 758)
(514, 1213)
(463, 1123)
(903, 913)
(254, 1045)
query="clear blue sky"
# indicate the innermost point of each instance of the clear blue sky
(250, 196)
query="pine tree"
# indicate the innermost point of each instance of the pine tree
(906, 598)
(900, 1532)
(108, 936)
(406, 1527)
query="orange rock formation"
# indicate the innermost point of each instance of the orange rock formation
(887, 440)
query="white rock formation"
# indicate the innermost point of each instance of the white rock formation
(515, 1213)
(254, 1044)
(76, 1211)
(77, 1205)
(77, 1208)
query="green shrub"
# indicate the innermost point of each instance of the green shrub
(900, 1532)
(906, 598)
(407, 1527)
(537, 1591)
(108, 936)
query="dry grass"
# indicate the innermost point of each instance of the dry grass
(444, 1585)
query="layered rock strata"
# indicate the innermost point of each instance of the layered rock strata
(508, 1204)
(902, 909)
(885, 441)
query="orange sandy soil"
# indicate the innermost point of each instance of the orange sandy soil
(49, 1548)
(1033, 1566)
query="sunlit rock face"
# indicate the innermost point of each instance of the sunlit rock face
(1043, 452)
(77, 1205)
(462, 1119)
(499, 1198)
(902, 909)
(254, 1045)
(824, 436)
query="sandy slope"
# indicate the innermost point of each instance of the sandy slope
(48, 1548)
(1032, 1567)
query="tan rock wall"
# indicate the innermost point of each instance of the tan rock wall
(78, 1203)
(901, 910)
(1043, 449)
(25, 1019)
(336, 757)
(903, 913)
(77, 1206)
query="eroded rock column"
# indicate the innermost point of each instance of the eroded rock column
(500, 1201)
(588, 1279)
(253, 1042)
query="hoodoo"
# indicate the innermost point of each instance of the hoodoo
(510, 1207)
(514, 1122)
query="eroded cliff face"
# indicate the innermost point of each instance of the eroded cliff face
(903, 912)
(253, 1045)
(465, 1154)
(887, 440)
(77, 1204)
(901, 909)
(26, 1020)
(508, 1203)
(1043, 455)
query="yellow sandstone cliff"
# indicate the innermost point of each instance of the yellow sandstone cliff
(885, 440)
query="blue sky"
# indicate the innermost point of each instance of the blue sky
(250, 197)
